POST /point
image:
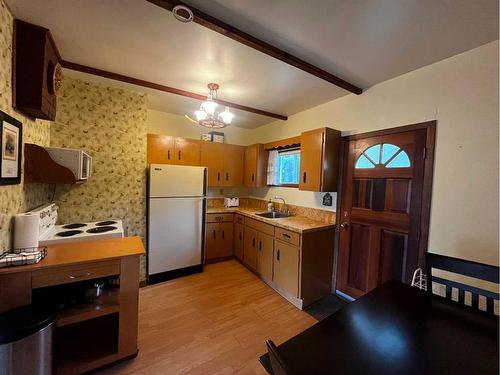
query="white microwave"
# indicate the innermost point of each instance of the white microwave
(79, 162)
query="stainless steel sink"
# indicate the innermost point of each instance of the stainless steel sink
(273, 215)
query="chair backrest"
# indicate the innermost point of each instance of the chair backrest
(277, 364)
(466, 268)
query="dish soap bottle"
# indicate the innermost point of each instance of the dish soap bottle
(270, 206)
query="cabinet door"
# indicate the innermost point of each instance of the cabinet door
(212, 157)
(160, 149)
(233, 165)
(250, 169)
(286, 267)
(187, 151)
(265, 259)
(239, 230)
(212, 242)
(250, 248)
(226, 240)
(311, 160)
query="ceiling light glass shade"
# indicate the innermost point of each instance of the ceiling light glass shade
(209, 106)
(208, 115)
(226, 116)
(200, 115)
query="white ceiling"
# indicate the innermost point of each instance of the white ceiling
(362, 41)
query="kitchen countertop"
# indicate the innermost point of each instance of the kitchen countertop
(84, 252)
(297, 223)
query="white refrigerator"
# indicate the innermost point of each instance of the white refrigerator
(176, 221)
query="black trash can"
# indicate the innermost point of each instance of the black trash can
(26, 341)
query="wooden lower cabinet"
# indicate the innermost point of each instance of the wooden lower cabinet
(239, 234)
(265, 256)
(286, 268)
(219, 241)
(297, 265)
(250, 257)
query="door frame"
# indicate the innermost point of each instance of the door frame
(425, 210)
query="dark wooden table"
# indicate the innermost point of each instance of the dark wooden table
(396, 329)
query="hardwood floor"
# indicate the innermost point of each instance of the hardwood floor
(215, 322)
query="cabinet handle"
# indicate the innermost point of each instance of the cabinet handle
(168, 154)
(260, 245)
(219, 218)
(218, 176)
(78, 276)
(278, 255)
(179, 154)
(286, 235)
(214, 234)
(253, 177)
(253, 242)
(223, 234)
(227, 176)
(240, 236)
(304, 178)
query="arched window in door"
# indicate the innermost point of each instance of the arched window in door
(386, 154)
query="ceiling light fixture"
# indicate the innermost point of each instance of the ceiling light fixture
(208, 115)
(183, 13)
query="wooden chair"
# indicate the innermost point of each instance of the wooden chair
(467, 268)
(277, 363)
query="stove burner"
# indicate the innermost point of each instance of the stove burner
(101, 229)
(68, 233)
(74, 226)
(107, 222)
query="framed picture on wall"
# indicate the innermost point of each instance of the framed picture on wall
(11, 140)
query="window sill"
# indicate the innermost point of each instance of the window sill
(285, 185)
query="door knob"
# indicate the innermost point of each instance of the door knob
(345, 224)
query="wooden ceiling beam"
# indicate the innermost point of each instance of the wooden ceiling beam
(229, 31)
(159, 87)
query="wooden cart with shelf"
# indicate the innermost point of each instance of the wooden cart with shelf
(88, 335)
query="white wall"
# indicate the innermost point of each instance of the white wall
(461, 93)
(179, 126)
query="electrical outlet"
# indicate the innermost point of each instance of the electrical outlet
(327, 200)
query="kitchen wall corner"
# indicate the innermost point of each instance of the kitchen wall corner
(110, 125)
(22, 197)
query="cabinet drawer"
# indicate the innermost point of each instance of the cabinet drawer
(219, 218)
(70, 274)
(260, 226)
(239, 219)
(288, 236)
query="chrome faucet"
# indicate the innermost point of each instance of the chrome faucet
(285, 210)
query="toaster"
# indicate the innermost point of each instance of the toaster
(232, 202)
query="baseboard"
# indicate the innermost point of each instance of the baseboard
(174, 274)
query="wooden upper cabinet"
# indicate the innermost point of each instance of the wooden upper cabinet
(36, 71)
(233, 165)
(255, 170)
(212, 157)
(160, 149)
(319, 160)
(165, 149)
(224, 163)
(187, 151)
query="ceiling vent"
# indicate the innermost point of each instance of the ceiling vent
(183, 13)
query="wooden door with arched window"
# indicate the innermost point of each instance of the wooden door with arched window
(381, 208)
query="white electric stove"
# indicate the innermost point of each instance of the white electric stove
(50, 233)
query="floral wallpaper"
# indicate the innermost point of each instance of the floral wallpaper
(110, 125)
(17, 198)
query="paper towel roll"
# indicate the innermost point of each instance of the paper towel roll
(26, 230)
